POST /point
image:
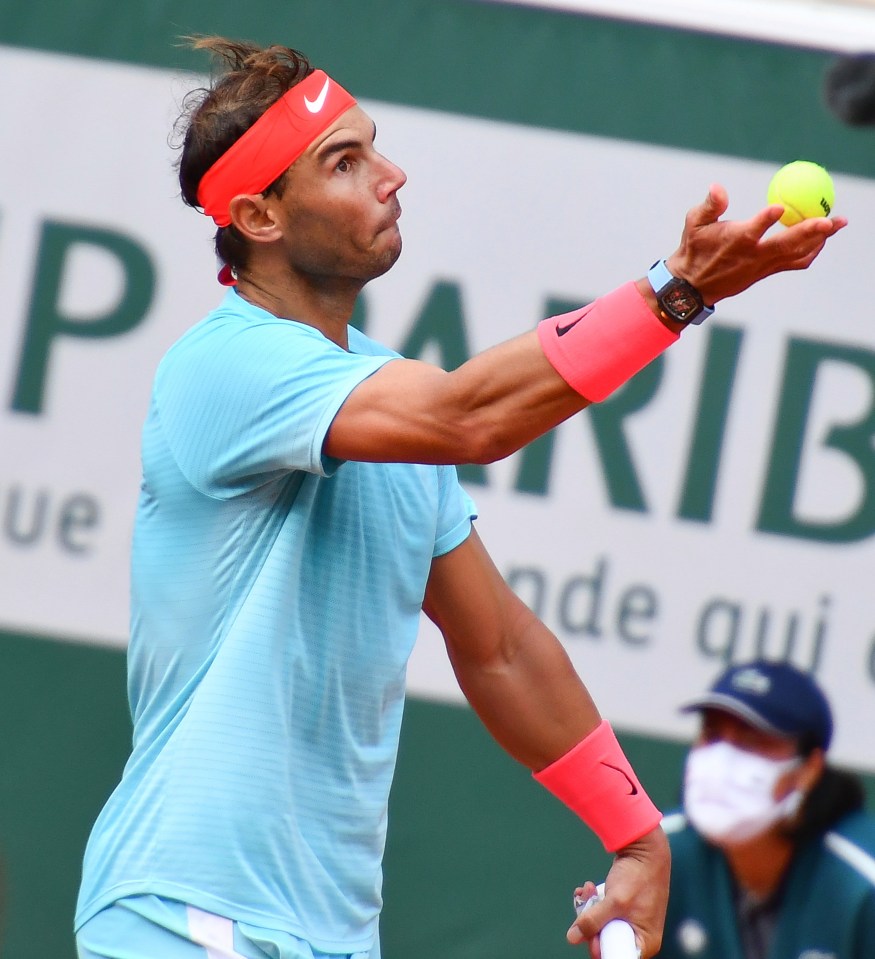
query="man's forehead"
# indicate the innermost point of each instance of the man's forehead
(714, 715)
(354, 123)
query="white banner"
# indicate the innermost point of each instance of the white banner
(664, 535)
(821, 24)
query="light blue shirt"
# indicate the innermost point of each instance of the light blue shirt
(276, 596)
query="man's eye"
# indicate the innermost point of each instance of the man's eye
(344, 166)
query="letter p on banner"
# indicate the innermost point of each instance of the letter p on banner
(46, 321)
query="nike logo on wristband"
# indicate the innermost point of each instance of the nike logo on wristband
(314, 106)
(562, 330)
(633, 789)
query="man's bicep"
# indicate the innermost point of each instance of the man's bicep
(395, 415)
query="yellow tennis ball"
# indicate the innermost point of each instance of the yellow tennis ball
(804, 189)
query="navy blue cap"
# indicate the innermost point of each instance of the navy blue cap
(775, 697)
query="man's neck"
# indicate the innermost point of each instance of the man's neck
(759, 866)
(326, 307)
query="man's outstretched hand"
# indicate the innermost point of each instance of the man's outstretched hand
(721, 258)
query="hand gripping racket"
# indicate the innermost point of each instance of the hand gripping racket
(617, 937)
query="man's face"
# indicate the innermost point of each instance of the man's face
(719, 726)
(339, 206)
(742, 784)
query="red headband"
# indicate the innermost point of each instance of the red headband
(273, 143)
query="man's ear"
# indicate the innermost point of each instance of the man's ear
(253, 216)
(802, 777)
(811, 770)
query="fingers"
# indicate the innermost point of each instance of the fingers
(710, 209)
(763, 221)
(588, 925)
(717, 200)
(825, 226)
(797, 247)
(585, 926)
(818, 225)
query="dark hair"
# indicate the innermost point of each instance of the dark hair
(253, 78)
(837, 793)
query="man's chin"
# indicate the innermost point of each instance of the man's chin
(388, 259)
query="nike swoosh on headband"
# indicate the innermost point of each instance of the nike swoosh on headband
(314, 106)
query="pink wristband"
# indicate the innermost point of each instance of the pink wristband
(598, 348)
(595, 780)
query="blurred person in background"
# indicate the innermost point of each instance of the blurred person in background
(773, 855)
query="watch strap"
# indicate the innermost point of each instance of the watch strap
(659, 276)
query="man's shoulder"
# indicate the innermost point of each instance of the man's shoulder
(236, 331)
(230, 314)
(852, 841)
(674, 823)
(682, 838)
(858, 827)
(362, 344)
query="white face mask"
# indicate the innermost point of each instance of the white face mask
(729, 793)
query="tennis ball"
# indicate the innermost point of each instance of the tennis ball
(804, 189)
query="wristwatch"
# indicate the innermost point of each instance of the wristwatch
(677, 299)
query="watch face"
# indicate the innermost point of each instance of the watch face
(681, 302)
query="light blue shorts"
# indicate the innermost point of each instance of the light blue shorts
(149, 927)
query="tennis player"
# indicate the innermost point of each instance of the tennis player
(300, 507)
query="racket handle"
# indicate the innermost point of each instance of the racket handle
(617, 940)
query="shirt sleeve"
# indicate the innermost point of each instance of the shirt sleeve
(238, 408)
(456, 512)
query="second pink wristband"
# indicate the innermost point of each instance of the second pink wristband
(599, 347)
(596, 781)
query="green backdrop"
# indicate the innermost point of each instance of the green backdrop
(480, 859)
